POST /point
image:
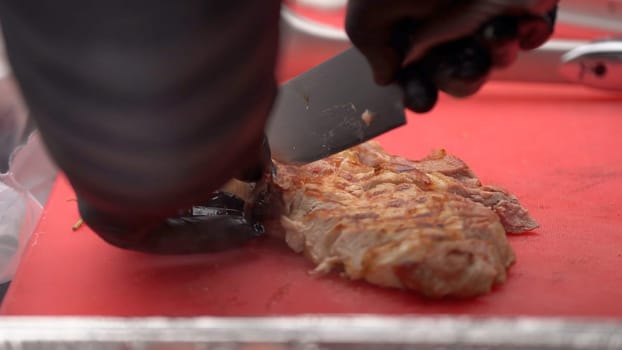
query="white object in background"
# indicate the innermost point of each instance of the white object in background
(324, 4)
(5, 69)
(597, 14)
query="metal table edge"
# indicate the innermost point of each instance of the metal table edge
(317, 331)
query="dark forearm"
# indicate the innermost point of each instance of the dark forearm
(141, 98)
(147, 106)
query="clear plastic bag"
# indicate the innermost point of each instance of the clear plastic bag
(26, 174)
(24, 189)
(19, 214)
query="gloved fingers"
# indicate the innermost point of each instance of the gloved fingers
(504, 55)
(375, 43)
(384, 62)
(462, 66)
(370, 24)
(465, 18)
(458, 21)
(260, 163)
(201, 230)
(116, 229)
(385, 13)
(219, 224)
(500, 36)
(420, 93)
(459, 68)
(226, 200)
(203, 234)
(536, 30)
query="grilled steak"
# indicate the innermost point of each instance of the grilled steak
(427, 226)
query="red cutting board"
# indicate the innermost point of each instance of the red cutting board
(559, 149)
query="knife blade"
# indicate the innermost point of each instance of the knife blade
(330, 108)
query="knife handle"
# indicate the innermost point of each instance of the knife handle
(459, 67)
(420, 92)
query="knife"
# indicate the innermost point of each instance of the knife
(330, 108)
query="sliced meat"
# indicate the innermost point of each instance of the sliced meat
(427, 226)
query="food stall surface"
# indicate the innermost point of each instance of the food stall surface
(556, 147)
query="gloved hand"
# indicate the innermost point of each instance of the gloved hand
(261, 164)
(217, 224)
(148, 107)
(445, 44)
(221, 222)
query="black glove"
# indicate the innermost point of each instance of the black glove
(261, 165)
(445, 44)
(222, 222)
(217, 224)
(147, 106)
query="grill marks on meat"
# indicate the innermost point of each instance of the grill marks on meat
(427, 226)
(453, 175)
